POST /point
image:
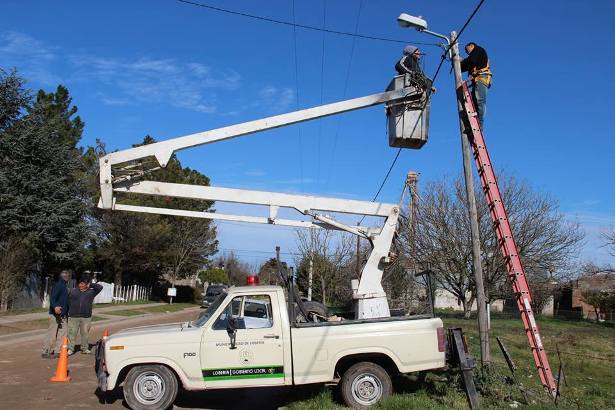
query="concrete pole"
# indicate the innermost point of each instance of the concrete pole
(311, 268)
(481, 302)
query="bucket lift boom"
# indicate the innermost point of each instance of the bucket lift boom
(123, 172)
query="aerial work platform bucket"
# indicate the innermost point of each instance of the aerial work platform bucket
(408, 118)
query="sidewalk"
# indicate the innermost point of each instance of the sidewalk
(34, 335)
(25, 317)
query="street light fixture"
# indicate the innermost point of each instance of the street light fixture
(420, 24)
(406, 20)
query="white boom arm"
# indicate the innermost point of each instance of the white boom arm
(368, 292)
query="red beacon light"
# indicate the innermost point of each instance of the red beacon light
(252, 280)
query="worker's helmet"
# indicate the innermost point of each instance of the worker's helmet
(409, 50)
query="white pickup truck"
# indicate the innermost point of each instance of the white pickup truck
(245, 339)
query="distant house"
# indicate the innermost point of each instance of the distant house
(570, 303)
(446, 300)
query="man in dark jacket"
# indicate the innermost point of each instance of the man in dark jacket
(477, 67)
(58, 313)
(409, 64)
(80, 300)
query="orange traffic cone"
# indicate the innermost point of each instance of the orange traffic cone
(62, 369)
(105, 334)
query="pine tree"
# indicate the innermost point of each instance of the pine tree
(41, 190)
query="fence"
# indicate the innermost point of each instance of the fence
(122, 294)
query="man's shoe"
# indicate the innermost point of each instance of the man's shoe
(70, 352)
(86, 351)
(45, 355)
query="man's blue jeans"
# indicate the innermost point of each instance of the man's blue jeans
(479, 93)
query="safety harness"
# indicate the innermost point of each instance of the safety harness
(482, 74)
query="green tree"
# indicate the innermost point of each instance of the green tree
(214, 275)
(14, 97)
(602, 300)
(41, 190)
(236, 270)
(268, 272)
(61, 114)
(15, 247)
(143, 247)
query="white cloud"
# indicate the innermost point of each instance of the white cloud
(254, 173)
(595, 224)
(142, 80)
(278, 99)
(295, 181)
(145, 80)
(32, 57)
(191, 85)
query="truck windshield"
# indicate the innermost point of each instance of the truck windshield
(210, 311)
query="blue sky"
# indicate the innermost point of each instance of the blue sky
(168, 69)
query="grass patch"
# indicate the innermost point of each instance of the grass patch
(131, 312)
(98, 318)
(24, 311)
(24, 326)
(588, 355)
(175, 307)
(131, 303)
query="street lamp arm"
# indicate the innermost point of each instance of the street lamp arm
(442, 36)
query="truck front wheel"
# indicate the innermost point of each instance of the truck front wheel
(365, 384)
(151, 387)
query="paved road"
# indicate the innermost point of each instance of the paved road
(128, 321)
(24, 317)
(24, 379)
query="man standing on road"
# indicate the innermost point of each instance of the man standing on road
(80, 312)
(58, 313)
(477, 66)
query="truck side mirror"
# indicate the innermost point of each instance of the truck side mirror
(231, 329)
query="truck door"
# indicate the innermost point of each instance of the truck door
(257, 359)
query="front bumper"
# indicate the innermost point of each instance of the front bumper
(99, 366)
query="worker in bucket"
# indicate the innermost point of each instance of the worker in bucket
(476, 64)
(409, 64)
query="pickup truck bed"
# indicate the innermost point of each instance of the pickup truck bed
(410, 343)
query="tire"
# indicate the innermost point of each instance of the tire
(364, 384)
(312, 307)
(151, 387)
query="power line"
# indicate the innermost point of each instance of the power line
(322, 83)
(297, 96)
(304, 26)
(339, 120)
(478, 6)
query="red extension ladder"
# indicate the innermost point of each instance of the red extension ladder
(504, 233)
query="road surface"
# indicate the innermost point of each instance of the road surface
(24, 378)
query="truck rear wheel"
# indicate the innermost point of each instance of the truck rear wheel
(151, 387)
(364, 384)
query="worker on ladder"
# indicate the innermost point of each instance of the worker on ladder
(409, 64)
(476, 64)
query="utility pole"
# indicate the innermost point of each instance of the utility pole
(411, 181)
(481, 302)
(358, 261)
(311, 268)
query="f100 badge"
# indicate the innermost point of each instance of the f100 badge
(236, 373)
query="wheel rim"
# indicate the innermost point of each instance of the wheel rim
(149, 388)
(366, 389)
